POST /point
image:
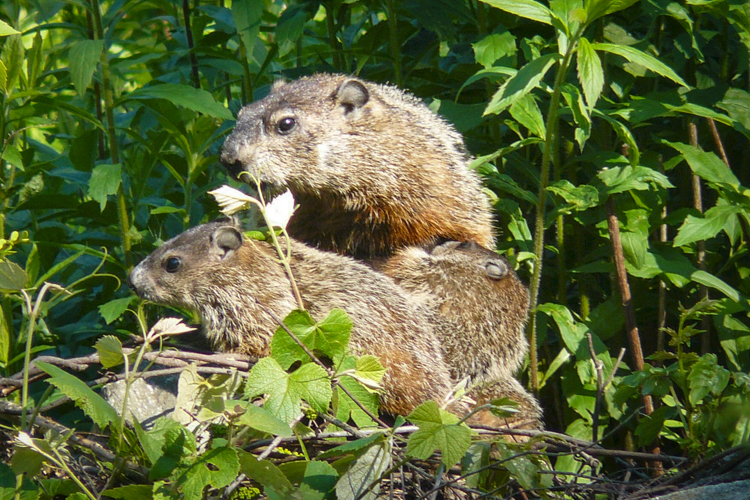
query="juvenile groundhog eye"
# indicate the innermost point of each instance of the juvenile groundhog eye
(172, 265)
(286, 125)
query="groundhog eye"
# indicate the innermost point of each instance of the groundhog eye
(495, 271)
(172, 264)
(286, 125)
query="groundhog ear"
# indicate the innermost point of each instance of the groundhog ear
(226, 240)
(352, 95)
(496, 269)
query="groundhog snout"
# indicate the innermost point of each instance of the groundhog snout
(230, 157)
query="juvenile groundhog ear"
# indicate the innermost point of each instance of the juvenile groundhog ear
(226, 240)
(352, 95)
(496, 269)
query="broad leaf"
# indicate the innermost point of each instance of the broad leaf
(590, 72)
(90, 402)
(697, 229)
(114, 308)
(260, 419)
(526, 112)
(438, 429)
(639, 57)
(706, 377)
(184, 96)
(12, 277)
(267, 474)
(84, 57)
(6, 29)
(247, 17)
(216, 468)
(329, 337)
(521, 83)
(524, 8)
(109, 349)
(368, 468)
(705, 164)
(105, 180)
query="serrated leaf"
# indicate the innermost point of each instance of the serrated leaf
(526, 112)
(368, 468)
(581, 197)
(705, 164)
(105, 180)
(696, 229)
(90, 402)
(320, 478)
(590, 72)
(369, 367)
(260, 419)
(621, 179)
(114, 309)
(493, 47)
(639, 57)
(184, 96)
(12, 277)
(109, 349)
(706, 377)
(13, 156)
(329, 337)
(437, 430)
(635, 248)
(284, 390)
(84, 57)
(525, 80)
(523, 8)
(247, 17)
(216, 468)
(6, 29)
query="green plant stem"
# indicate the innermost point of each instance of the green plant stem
(331, 25)
(122, 209)
(550, 143)
(195, 76)
(393, 41)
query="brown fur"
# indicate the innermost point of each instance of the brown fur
(372, 168)
(220, 276)
(479, 302)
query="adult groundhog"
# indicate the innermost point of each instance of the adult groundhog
(213, 270)
(371, 167)
(479, 303)
(375, 172)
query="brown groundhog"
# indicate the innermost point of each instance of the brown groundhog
(371, 167)
(213, 270)
(374, 172)
(474, 294)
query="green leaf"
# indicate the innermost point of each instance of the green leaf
(521, 83)
(369, 367)
(130, 492)
(320, 478)
(109, 348)
(704, 278)
(524, 8)
(265, 473)
(635, 248)
(260, 419)
(284, 390)
(639, 57)
(90, 402)
(351, 446)
(184, 96)
(696, 229)
(438, 429)
(12, 156)
(621, 179)
(526, 112)
(12, 277)
(493, 47)
(705, 164)
(6, 29)
(216, 468)
(247, 17)
(650, 426)
(368, 468)
(581, 197)
(114, 308)
(3, 77)
(736, 103)
(330, 337)
(84, 57)
(105, 180)
(590, 72)
(706, 377)
(580, 112)
(599, 8)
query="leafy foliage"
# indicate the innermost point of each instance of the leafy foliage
(112, 117)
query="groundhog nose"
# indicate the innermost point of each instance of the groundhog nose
(229, 159)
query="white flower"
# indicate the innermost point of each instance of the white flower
(280, 210)
(232, 200)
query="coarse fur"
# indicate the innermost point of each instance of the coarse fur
(371, 167)
(231, 282)
(478, 301)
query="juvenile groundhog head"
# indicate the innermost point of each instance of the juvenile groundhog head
(372, 168)
(481, 305)
(206, 269)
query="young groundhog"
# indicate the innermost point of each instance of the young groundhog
(231, 282)
(371, 167)
(479, 303)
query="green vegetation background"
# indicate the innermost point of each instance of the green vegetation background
(112, 115)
